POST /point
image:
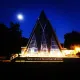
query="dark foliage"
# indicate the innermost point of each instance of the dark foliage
(24, 41)
(11, 39)
(78, 54)
(72, 38)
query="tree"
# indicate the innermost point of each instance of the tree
(11, 39)
(4, 32)
(72, 38)
(15, 37)
(24, 41)
(78, 54)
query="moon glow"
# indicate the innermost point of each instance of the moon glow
(20, 16)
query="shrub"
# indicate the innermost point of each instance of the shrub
(78, 54)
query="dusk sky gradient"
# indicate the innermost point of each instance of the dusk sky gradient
(64, 15)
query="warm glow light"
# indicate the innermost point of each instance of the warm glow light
(71, 53)
(43, 54)
(77, 49)
(52, 53)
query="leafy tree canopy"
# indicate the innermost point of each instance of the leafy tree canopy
(11, 39)
(72, 38)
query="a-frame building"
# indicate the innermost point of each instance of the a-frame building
(43, 37)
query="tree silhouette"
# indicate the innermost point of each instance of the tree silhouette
(72, 38)
(24, 41)
(11, 39)
(15, 38)
(4, 31)
(78, 54)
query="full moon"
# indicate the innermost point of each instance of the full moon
(20, 16)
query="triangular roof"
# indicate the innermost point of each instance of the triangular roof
(42, 18)
(42, 23)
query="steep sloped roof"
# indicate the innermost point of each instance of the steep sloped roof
(42, 23)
